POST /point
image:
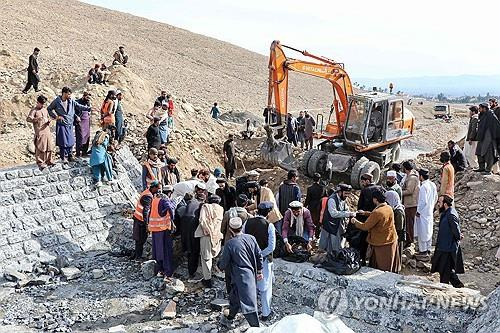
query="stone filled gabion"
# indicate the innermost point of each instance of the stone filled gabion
(60, 211)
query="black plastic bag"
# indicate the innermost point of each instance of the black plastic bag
(299, 250)
(343, 262)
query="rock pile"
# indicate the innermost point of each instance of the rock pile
(478, 204)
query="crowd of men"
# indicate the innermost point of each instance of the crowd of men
(212, 220)
(235, 230)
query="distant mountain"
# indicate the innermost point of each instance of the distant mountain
(460, 85)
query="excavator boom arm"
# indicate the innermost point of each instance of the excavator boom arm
(280, 64)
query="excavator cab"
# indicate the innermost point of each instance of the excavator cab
(375, 120)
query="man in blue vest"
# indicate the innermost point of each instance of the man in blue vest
(335, 220)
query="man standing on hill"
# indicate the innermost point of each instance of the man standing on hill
(470, 144)
(162, 97)
(33, 77)
(494, 107)
(215, 112)
(229, 151)
(119, 118)
(488, 136)
(66, 111)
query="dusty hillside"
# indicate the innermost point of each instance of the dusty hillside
(73, 36)
(194, 68)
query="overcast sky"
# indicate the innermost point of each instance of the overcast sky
(377, 39)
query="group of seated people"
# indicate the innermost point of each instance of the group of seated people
(99, 74)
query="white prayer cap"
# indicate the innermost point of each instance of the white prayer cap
(201, 186)
(118, 92)
(235, 222)
(295, 204)
(391, 173)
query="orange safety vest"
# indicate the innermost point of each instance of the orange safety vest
(107, 116)
(157, 222)
(138, 207)
(324, 202)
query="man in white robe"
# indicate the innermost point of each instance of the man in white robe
(427, 198)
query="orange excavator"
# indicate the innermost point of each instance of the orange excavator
(363, 133)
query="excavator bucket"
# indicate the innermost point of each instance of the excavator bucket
(277, 152)
(280, 154)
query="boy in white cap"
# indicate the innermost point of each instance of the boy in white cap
(242, 257)
(392, 183)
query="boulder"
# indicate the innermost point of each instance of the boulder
(148, 269)
(63, 261)
(474, 207)
(117, 329)
(71, 273)
(219, 304)
(14, 275)
(404, 259)
(169, 310)
(409, 251)
(482, 220)
(40, 280)
(157, 284)
(474, 184)
(97, 273)
(53, 270)
(174, 286)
